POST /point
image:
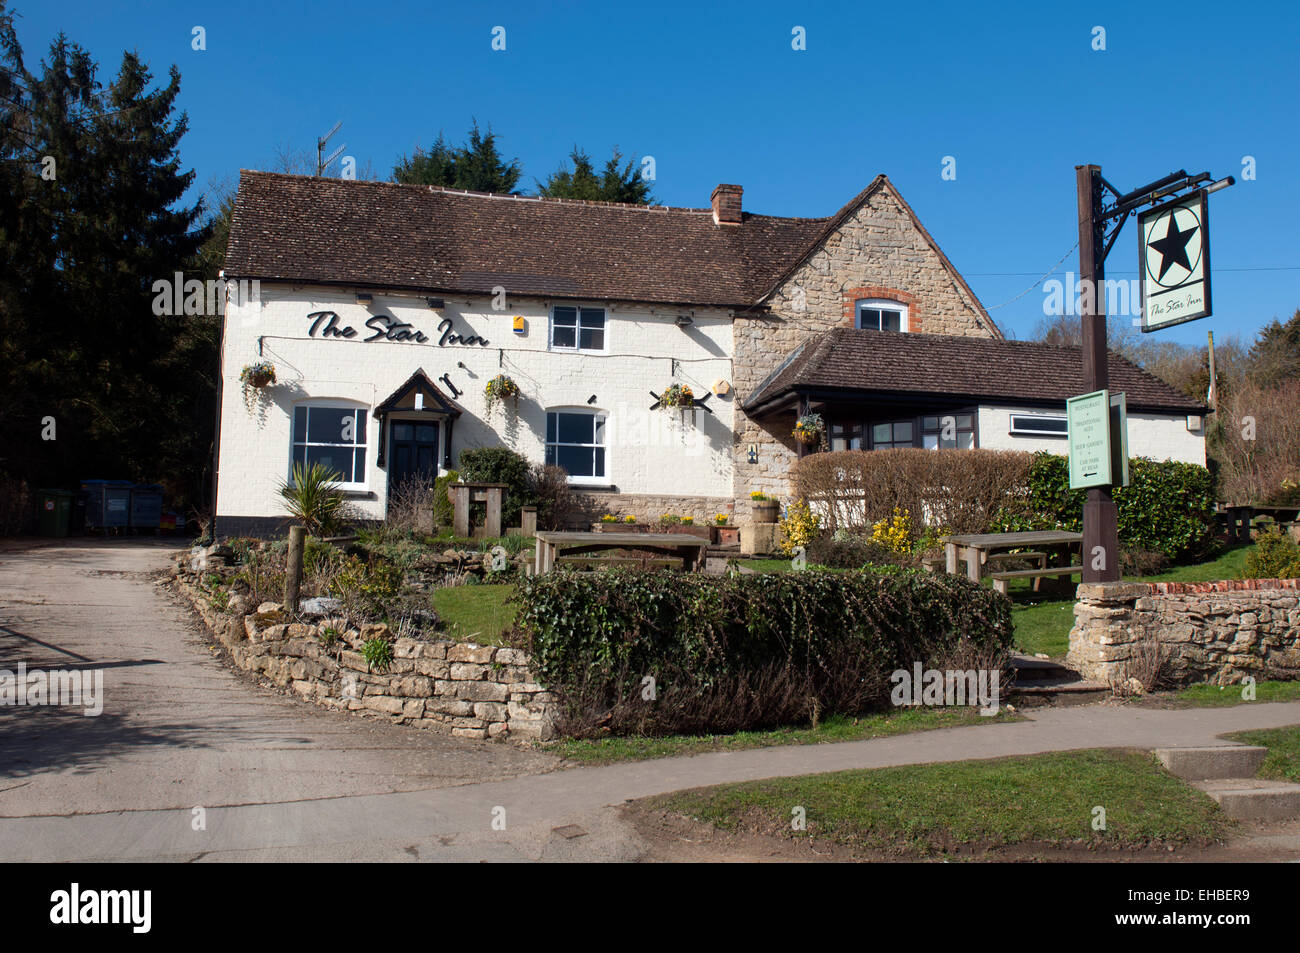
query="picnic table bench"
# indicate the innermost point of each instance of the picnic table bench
(1240, 518)
(554, 546)
(978, 550)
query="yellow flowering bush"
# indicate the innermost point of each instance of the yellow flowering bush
(799, 527)
(894, 533)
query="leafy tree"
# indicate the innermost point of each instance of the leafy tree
(477, 165)
(618, 181)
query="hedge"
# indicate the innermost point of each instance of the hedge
(728, 653)
(960, 490)
(1167, 507)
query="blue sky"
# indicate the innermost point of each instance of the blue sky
(714, 92)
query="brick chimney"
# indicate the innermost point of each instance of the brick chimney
(726, 204)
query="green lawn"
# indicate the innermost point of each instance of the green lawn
(936, 809)
(839, 728)
(1283, 760)
(1225, 696)
(475, 613)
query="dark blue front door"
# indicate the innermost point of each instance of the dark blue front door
(413, 452)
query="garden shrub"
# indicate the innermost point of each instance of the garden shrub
(1168, 506)
(848, 551)
(1274, 556)
(500, 465)
(799, 527)
(728, 653)
(442, 509)
(549, 486)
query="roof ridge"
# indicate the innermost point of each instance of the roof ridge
(470, 193)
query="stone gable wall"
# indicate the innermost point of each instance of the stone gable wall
(1218, 632)
(877, 253)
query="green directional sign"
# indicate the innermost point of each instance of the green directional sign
(1088, 420)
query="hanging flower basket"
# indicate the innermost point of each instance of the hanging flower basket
(677, 397)
(809, 428)
(500, 388)
(259, 375)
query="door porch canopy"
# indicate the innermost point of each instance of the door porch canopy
(418, 397)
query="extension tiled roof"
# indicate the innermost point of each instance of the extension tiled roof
(846, 359)
(384, 235)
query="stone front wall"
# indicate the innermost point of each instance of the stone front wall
(1217, 632)
(878, 252)
(467, 690)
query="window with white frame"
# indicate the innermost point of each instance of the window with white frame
(333, 435)
(575, 440)
(880, 314)
(1039, 425)
(577, 329)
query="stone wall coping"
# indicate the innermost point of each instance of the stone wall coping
(1127, 591)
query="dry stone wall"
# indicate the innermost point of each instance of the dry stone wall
(1218, 632)
(467, 690)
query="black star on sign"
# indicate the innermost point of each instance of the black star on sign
(1173, 247)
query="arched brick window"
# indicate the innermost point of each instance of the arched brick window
(880, 308)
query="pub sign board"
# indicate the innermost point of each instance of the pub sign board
(1174, 261)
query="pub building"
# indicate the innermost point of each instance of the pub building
(387, 309)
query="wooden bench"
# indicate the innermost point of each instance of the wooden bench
(1000, 579)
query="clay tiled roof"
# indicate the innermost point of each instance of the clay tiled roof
(845, 359)
(383, 235)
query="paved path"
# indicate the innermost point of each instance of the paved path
(281, 781)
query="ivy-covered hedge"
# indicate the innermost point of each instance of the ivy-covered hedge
(727, 653)
(1167, 507)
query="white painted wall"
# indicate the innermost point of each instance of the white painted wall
(648, 452)
(1160, 437)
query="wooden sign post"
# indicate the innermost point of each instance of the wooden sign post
(1180, 285)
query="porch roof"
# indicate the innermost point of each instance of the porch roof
(852, 364)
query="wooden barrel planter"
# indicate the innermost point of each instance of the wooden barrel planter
(766, 511)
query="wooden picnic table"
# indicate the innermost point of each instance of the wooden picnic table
(975, 548)
(1241, 517)
(550, 545)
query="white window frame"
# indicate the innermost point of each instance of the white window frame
(888, 304)
(577, 329)
(547, 444)
(328, 404)
(1015, 431)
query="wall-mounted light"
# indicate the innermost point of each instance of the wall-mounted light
(435, 304)
(364, 298)
(684, 320)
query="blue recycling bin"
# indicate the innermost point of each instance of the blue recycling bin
(108, 503)
(146, 506)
